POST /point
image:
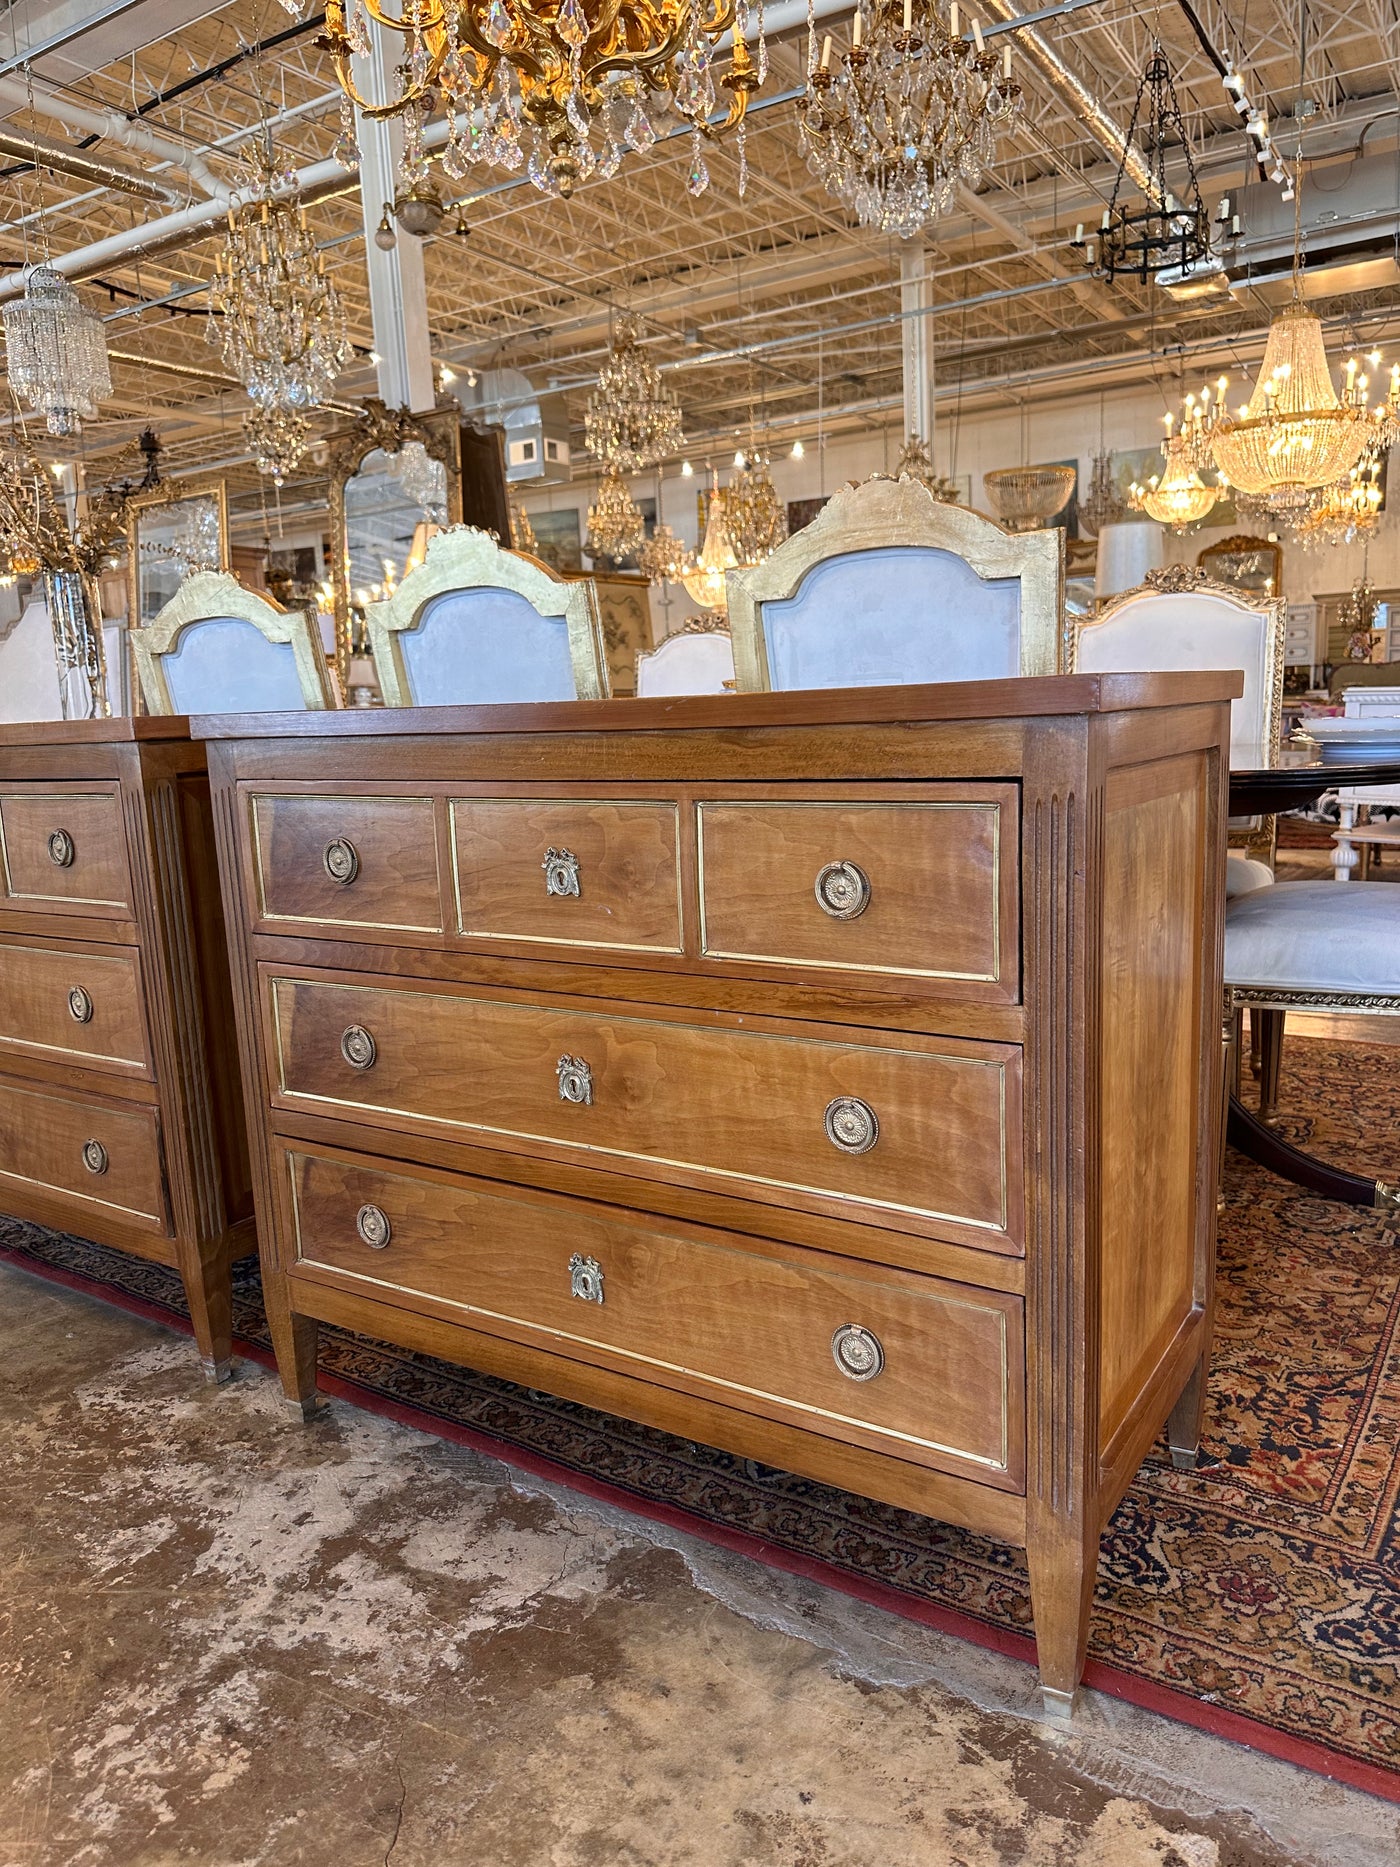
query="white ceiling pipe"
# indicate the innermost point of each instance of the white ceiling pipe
(112, 127)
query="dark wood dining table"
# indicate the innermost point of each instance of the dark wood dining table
(1297, 775)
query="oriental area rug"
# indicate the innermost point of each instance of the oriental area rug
(1258, 1597)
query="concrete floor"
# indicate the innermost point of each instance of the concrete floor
(229, 1640)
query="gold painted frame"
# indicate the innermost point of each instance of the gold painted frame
(169, 493)
(874, 514)
(465, 558)
(1239, 545)
(210, 595)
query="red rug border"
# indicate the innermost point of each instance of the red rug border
(1165, 1701)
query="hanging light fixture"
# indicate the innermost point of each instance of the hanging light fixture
(916, 463)
(561, 88)
(705, 582)
(1101, 505)
(912, 111)
(278, 438)
(755, 519)
(663, 557)
(1347, 511)
(1027, 498)
(56, 352)
(1177, 496)
(522, 532)
(632, 420)
(616, 527)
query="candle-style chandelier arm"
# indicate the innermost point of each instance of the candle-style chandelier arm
(426, 23)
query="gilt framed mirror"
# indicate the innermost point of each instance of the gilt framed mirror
(172, 531)
(1252, 565)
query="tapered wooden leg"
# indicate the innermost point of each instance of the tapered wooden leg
(1271, 1060)
(1185, 1419)
(1062, 1571)
(294, 1340)
(209, 1293)
(1256, 1061)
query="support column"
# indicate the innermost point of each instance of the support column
(915, 301)
(397, 294)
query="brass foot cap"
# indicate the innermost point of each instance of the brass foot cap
(1184, 1458)
(1058, 1707)
(216, 1372)
(302, 1411)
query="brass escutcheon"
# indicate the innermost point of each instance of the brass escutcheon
(851, 1125)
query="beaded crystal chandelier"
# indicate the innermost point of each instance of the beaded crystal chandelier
(616, 527)
(632, 420)
(277, 317)
(1177, 496)
(663, 557)
(278, 438)
(913, 110)
(755, 519)
(56, 353)
(562, 88)
(1350, 510)
(705, 581)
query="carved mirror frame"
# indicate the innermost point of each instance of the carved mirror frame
(387, 430)
(169, 493)
(1211, 559)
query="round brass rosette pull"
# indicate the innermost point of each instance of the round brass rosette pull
(358, 1047)
(857, 1353)
(61, 849)
(374, 1227)
(341, 861)
(851, 1125)
(80, 1005)
(94, 1157)
(842, 890)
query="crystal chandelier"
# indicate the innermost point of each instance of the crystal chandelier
(278, 438)
(1177, 496)
(522, 532)
(916, 463)
(755, 519)
(632, 421)
(1101, 505)
(913, 111)
(705, 582)
(1347, 511)
(278, 317)
(561, 88)
(423, 479)
(616, 527)
(1296, 434)
(56, 353)
(663, 557)
(1027, 498)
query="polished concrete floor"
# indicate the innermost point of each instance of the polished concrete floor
(229, 1640)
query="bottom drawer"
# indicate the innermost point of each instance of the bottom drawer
(102, 1154)
(923, 1369)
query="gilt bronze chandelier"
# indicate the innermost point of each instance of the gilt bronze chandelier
(632, 420)
(1177, 496)
(561, 88)
(616, 527)
(911, 111)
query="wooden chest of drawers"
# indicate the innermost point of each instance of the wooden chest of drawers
(120, 1111)
(834, 1077)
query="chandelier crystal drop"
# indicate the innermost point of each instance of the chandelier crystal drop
(561, 89)
(56, 352)
(1177, 496)
(616, 527)
(912, 110)
(755, 519)
(631, 421)
(278, 317)
(278, 438)
(423, 479)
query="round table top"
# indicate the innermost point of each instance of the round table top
(1301, 770)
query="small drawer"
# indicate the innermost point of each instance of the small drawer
(922, 890)
(570, 872)
(921, 1134)
(915, 1366)
(65, 852)
(367, 863)
(65, 1002)
(102, 1156)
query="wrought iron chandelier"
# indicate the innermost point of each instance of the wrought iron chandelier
(632, 420)
(56, 352)
(1177, 496)
(562, 88)
(278, 318)
(278, 438)
(755, 519)
(913, 109)
(616, 527)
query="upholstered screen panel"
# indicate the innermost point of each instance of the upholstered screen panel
(475, 647)
(225, 665)
(687, 664)
(1169, 634)
(891, 617)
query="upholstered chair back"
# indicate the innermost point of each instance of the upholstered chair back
(693, 661)
(890, 587)
(218, 648)
(474, 625)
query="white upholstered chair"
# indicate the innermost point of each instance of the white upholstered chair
(888, 587)
(475, 625)
(698, 659)
(218, 648)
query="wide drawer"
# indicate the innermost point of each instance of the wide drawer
(108, 1157)
(918, 1133)
(58, 1001)
(361, 863)
(573, 872)
(915, 1366)
(923, 888)
(64, 851)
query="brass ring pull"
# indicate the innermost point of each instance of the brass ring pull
(94, 1157)
(842, 890)
(341, 861)
(357, 1047)
(851, 1125)
(80, 1005)
(575, 1080)
(857, 1352)
(61, 849)
(374, 1227)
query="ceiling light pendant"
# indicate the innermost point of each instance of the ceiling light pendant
(278, 438)
(1101, 505)
(616, 527)
(916, 463)
(754, 516)
(1177, 496)
(1347, 511)
(56, 352)
(912, 111)
(663, 557)
(631, 421)
(1027, 498)
(705, 581)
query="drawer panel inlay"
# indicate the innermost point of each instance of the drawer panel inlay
(568, 872)
(63, 1002)
(354, 862)
(927, 1369)
(106, 1157)
(924, 1133)
(64, 850)
(919, 889)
